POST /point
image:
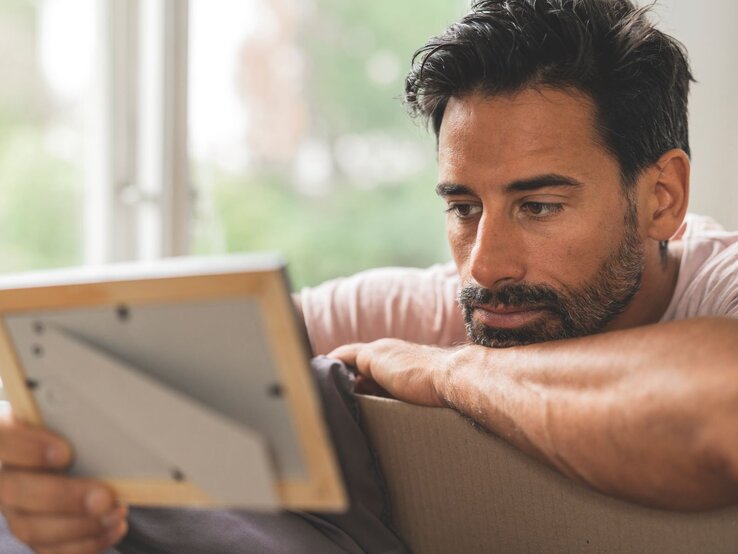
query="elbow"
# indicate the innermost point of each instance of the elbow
(696, 468)
(715, 462)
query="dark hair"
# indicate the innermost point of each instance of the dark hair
(637, 76)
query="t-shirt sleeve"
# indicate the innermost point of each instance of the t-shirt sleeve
(713, 287)
(417, 305)
(721, 288)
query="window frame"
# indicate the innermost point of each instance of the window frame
(138, 195)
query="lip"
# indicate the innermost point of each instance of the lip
(504, 317)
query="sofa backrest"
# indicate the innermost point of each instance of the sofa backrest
(456, 489)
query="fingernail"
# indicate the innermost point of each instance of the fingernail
(98, 501)
(56, 455)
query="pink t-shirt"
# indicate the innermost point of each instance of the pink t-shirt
(708, 273)
(419, 305)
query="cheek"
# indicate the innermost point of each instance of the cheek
(461, 241)
(575, 258)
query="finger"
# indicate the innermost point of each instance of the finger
(54, 494)
(31, 447)
(93, 545)
(44, 530)
(347, 353)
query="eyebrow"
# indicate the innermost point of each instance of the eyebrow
(522, 185)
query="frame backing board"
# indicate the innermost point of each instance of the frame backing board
(179, 382)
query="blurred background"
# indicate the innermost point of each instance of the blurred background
(134, 129)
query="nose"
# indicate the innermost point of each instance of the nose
(498, 255)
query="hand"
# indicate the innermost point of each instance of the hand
(51, 512)
(411, 372)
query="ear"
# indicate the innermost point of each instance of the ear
(667, 194)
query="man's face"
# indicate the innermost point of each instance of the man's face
(545, 241)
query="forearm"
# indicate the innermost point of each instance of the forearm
(650, 413)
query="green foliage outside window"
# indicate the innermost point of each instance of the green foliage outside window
(40, 193)
(356, 225)
(346, 232)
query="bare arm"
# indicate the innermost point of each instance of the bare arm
(649, 414)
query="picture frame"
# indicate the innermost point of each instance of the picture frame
(180, 382)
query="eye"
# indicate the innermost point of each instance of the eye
(541, 210)
(463, 210)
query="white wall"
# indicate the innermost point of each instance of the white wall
(708, 29)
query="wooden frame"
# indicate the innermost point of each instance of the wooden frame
(177, 281)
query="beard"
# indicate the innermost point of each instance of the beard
(570, 312)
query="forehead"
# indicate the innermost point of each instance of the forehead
(534, 131)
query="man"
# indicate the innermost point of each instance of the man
(563, 161)
(603, 331)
